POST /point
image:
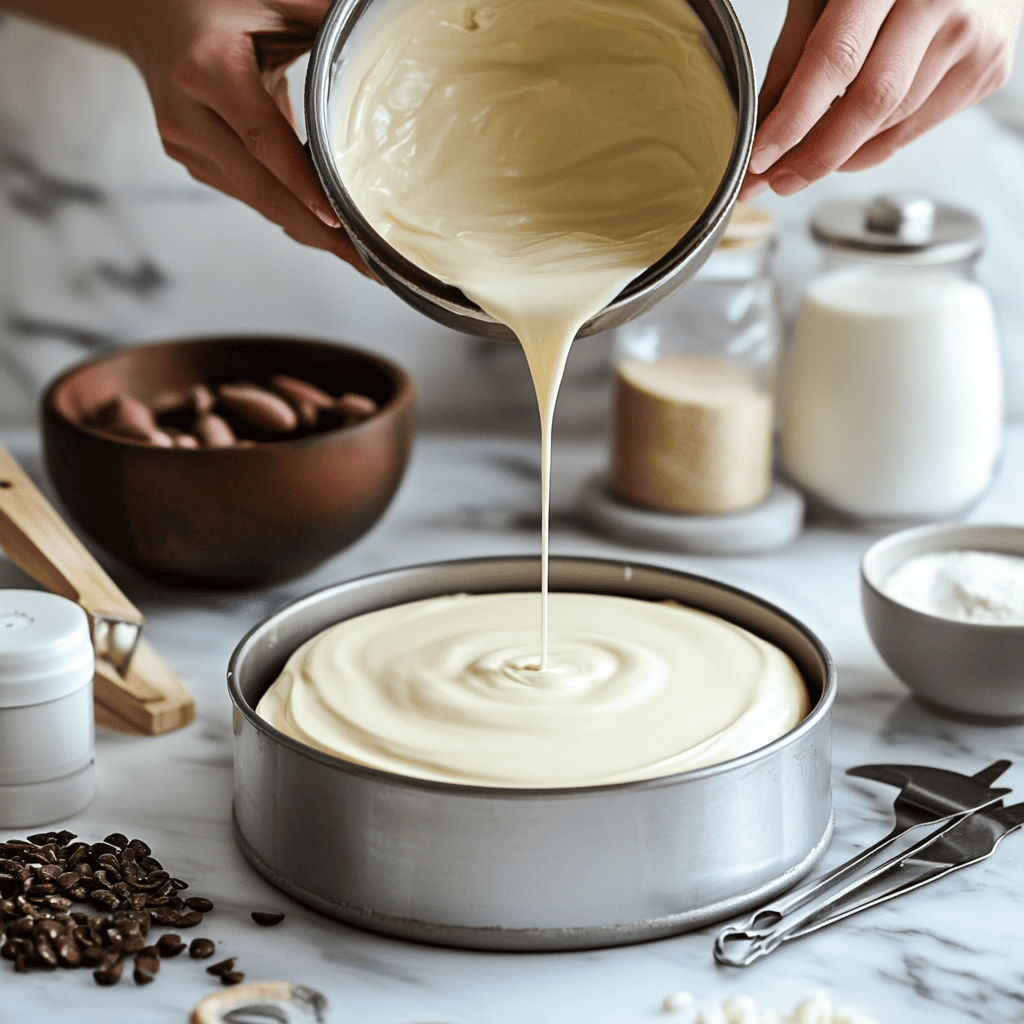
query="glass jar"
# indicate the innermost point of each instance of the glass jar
(692, 409)
(892, 384)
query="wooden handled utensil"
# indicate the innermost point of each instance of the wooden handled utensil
(132, 684)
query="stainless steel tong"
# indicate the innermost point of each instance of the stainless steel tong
(970, 820)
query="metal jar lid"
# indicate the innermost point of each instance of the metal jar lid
(906, 226)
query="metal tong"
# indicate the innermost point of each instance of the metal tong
(971, 822)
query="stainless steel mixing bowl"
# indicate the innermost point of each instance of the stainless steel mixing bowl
(448, 305)
(529, 869)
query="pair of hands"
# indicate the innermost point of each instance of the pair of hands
(849, 83)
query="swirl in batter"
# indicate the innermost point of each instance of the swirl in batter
(449, 689)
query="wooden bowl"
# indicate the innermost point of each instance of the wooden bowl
(227, 517)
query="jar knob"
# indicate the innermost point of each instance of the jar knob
(909, 216)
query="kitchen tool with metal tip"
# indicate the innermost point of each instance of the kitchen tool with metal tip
(928, 797)
(39, 541)
(133, 688)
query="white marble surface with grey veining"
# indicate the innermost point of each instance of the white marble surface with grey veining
(951, 953)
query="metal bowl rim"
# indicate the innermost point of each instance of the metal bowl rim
(337, 23)
(810, 721)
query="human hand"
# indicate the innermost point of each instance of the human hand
(215, 70)
(852, 81)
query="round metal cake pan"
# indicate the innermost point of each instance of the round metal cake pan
(529, 869)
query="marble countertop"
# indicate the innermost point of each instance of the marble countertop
(950, 952)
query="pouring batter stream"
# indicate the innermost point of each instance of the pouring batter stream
(537, 154)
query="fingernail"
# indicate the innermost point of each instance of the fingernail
(761, 159)
(753, 190)
(327, 216)
(785, 183)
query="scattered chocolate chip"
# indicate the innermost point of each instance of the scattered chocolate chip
(266, 920)
(232, 978)
(109, 975)
(222, 966)
(38, 928)
(200, 903)
(149, 964)
(200, 949)
(170, 945)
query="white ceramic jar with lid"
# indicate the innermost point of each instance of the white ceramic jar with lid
(892, 385)
(47, 749)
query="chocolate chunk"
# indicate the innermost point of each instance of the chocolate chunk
(222, 966)
(266, 920)
(109, 975)
(200, 949)
(170, 945)
(150, 964)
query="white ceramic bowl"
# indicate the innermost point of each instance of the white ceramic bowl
(967, 670)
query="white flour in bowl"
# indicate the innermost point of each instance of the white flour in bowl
(969, 586)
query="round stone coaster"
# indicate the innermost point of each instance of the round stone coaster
(773, 524)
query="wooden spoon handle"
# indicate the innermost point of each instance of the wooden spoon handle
(37, 540)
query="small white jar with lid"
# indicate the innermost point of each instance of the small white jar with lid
(47, 746)
(891, 399)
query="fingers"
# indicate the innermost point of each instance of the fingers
(835, 52)
(885, 79)
(752, 187)
(223, 76)
(873, 76)
(801, 16)
(947, 49)
(949, 97)
(198, 133)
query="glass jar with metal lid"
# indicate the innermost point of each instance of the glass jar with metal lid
(694, 384)
(892, 385)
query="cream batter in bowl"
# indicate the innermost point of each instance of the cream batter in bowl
(539, 867)
(654, 163)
